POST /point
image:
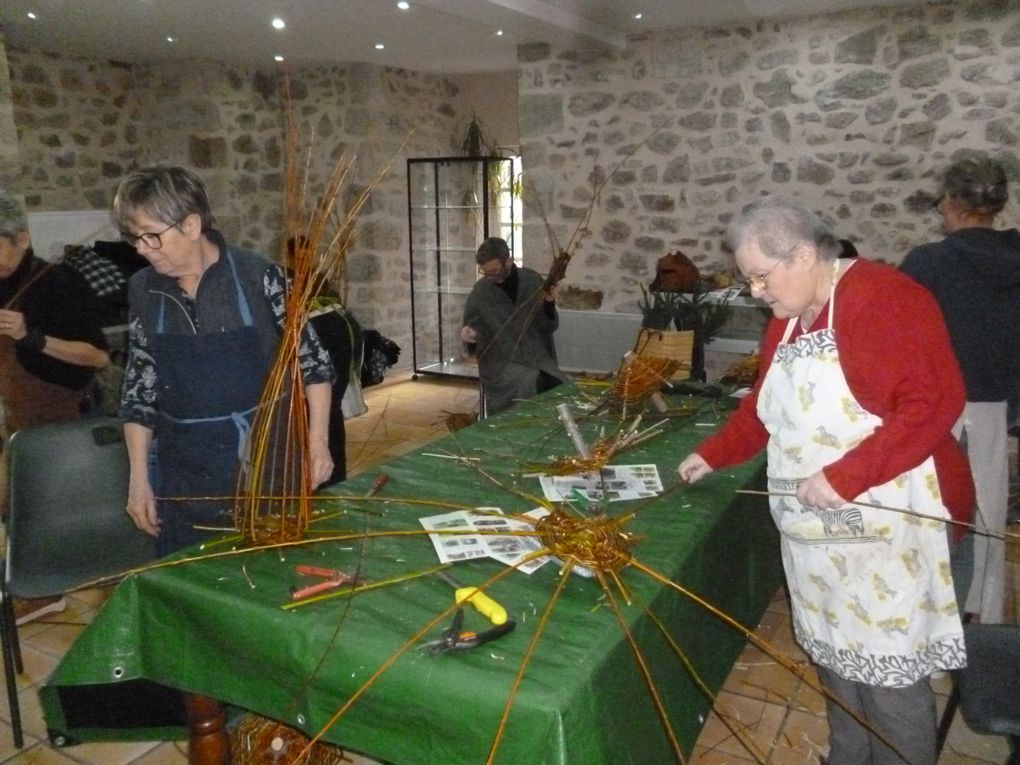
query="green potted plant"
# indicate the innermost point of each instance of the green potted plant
(665, 312)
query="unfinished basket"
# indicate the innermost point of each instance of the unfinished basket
(668, 344)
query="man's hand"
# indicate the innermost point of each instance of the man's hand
(468, 335)
(552, 293)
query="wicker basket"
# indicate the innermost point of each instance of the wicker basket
(669, 344)
(256, 740)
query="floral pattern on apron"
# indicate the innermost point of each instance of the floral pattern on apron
(870, 589)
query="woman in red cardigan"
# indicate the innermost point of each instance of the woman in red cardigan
(855, 400)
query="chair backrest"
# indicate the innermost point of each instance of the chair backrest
(989, 695)
(67, 523)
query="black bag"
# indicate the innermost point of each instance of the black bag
(380, 353)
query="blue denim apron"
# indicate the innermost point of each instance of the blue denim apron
(210, 385)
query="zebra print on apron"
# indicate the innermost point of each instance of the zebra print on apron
(871, 592)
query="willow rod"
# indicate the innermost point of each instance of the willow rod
(1003, 535)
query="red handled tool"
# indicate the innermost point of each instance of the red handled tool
(332, 577)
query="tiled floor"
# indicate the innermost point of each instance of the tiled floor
(762, 704)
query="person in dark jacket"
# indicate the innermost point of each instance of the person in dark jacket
(509, 320)
(974, 274)
(51, 345)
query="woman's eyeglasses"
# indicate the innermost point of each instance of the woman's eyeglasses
(151, 239)
(759, 281)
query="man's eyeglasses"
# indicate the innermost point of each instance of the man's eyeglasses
(151, 239)
(496, 272)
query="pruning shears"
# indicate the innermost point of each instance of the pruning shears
(331, 579)
(455, 637)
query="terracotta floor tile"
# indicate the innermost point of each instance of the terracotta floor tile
(801, 740)
(42, 754)
(169, 753)
(738, 723)
(759, 676)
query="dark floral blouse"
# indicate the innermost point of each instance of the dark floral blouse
(139, 398)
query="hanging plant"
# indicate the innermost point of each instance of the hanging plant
(475, 142)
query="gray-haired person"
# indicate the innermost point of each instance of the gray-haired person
(974, 274)
(854, 404)
(204, 325)
(51, 344)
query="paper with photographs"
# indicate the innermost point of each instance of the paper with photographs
(469, 534)
(614, 483)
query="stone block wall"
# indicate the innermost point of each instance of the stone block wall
(82, 124)
(853, 113)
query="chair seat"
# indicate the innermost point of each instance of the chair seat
(990, 684)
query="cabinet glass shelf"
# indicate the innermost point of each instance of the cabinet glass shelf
(453, 203)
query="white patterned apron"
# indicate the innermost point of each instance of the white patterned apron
(870, 589)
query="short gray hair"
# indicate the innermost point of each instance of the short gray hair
(13, 219)
(777, 227)
(167, 193)
(493, 248)
(979, 182)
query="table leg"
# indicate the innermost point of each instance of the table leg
(208, 742)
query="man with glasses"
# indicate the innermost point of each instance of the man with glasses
(509, 321)
(51, 345)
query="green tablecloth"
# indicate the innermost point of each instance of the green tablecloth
(216, 627)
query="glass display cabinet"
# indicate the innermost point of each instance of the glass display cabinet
(453, 204)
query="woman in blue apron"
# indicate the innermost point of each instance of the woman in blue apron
(855, 402)
(204, 327)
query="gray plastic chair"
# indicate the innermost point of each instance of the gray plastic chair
(67, 524)
(990, 684)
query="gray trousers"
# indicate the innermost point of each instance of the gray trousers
(982, 431)
(904, 716)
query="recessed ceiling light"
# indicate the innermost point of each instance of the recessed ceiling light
(277, 57)
(31, 15)
(379, 46)
(279, 23)
(171, 39)
(638, 15)
(499, 33)
(403, 5)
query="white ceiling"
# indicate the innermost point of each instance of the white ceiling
(439, 36)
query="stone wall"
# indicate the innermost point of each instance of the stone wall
(10, 157)
(83, 124)
(853, 113)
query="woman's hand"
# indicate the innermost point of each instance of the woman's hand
(320, 460)
(141, 506)
(12, 324)
(816, 492)
(693, 468)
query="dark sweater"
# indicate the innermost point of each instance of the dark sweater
(58, 303)
(974, 274)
